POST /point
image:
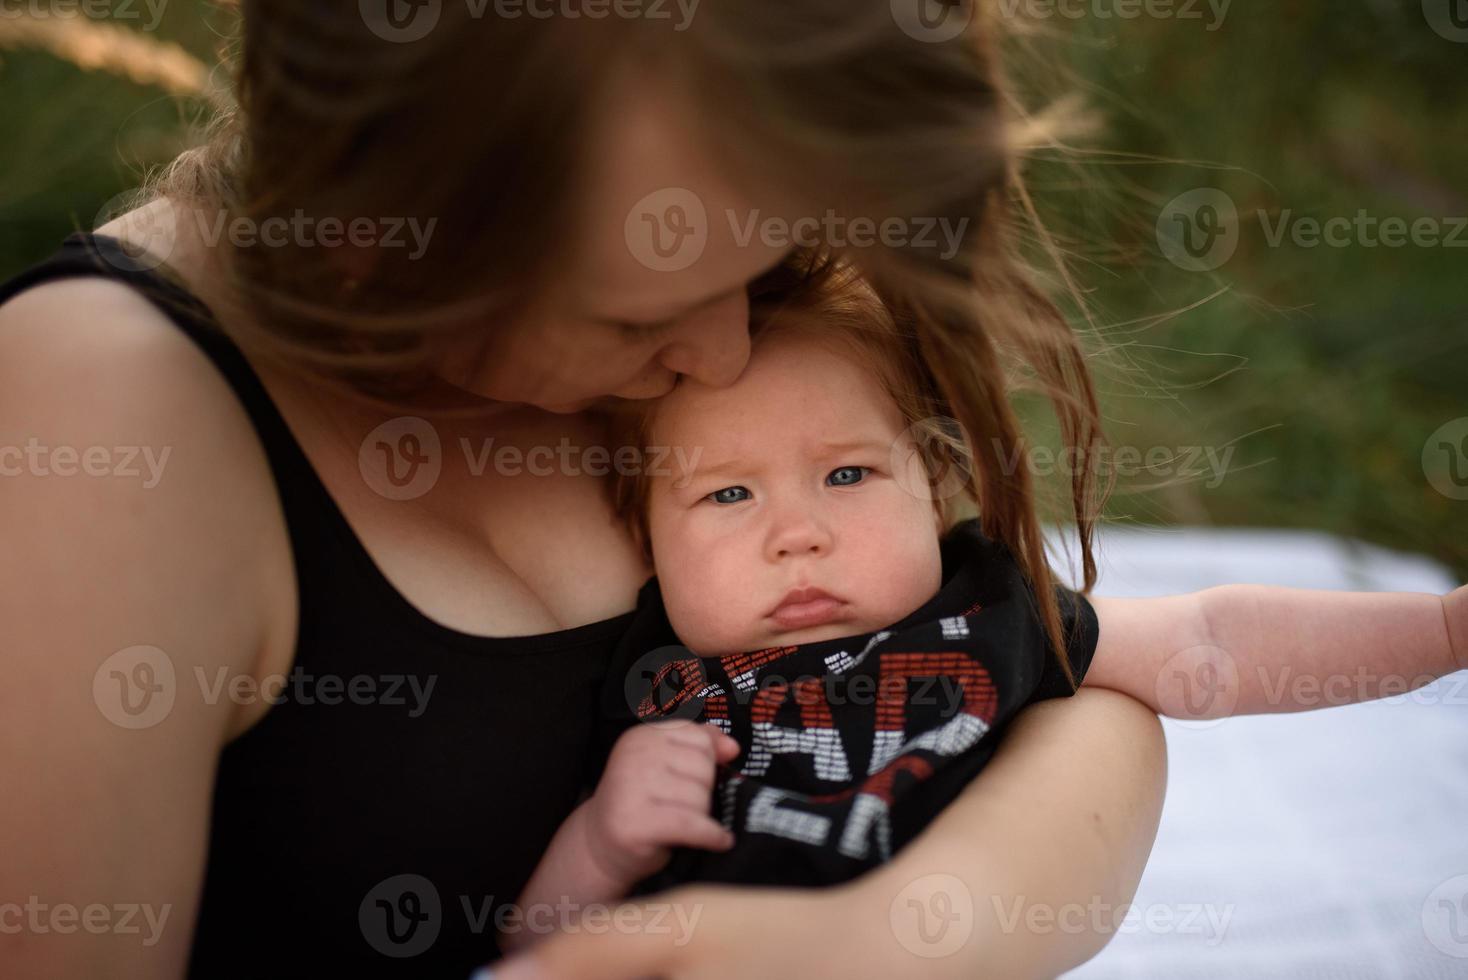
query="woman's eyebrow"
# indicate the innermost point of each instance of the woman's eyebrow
(669, 317)
(691, 307)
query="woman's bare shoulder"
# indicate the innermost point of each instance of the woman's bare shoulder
(133, 445)
(142, 570)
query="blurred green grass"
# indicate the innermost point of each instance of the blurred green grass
(1325, 369)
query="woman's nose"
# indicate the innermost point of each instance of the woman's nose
(712, 345)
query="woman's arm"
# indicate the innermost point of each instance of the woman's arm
(1060, 822)
(107, 758)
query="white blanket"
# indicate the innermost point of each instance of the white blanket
(1330, 843)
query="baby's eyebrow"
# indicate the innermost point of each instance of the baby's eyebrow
(851, 445)
(731, 467)
(826, 448)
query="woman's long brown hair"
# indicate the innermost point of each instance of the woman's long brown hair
(481, 125)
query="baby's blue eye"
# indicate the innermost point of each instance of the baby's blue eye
(719, 496)
(847, 475)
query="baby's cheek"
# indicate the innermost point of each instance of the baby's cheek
(906, 583)
(703, 622)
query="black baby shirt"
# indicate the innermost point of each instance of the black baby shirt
(850, 746)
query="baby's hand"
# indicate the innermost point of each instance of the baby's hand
(654, 795)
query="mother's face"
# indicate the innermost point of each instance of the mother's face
(651, 285)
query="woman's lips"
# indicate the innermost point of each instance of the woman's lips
(804, 610)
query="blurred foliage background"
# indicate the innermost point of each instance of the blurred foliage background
(1325, 370)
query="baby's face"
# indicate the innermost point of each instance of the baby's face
(788, 483)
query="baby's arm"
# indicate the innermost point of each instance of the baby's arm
(1251, 649)
(653, 795)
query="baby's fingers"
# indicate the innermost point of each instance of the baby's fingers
(702, 738)
(726, 748)
(671, 825)
(695, 766)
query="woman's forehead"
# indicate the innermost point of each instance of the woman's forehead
(663, 224)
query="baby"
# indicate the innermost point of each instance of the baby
(829, 655)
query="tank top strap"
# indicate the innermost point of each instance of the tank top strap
(87, 255)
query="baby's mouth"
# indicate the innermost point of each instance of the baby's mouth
(800, 611)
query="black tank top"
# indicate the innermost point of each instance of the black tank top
(372, 833)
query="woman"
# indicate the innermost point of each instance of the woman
(320, 711)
